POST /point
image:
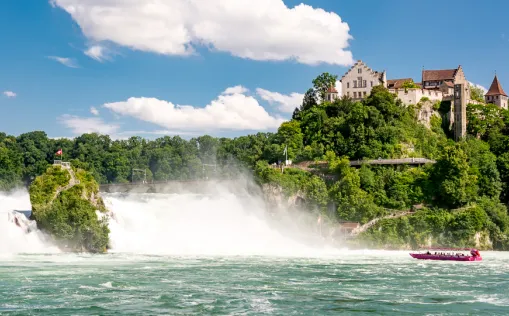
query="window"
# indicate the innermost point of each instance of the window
(359, 71)
(359, 80)
(348, 85)
(355, 95)
(371, 84)
(364, 93)
(364, 84)
(355, 84)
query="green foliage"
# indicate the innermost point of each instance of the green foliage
(452, 183)
(69, 216)
(410, 85)
(476, 93)
(483, 118)
(294, 181)
(323, 82)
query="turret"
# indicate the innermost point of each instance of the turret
(496, 94)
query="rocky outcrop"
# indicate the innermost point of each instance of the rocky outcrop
(425, 111)
(65, 205)
(277, 200)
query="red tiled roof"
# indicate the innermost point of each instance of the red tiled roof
(397, 83)
(496, 88)
(438, 75)
(449, 84)
(332, 90)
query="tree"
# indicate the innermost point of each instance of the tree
(289, 134)
(323, 82)
(476, 93)
(483, 119)
(309, 101)
(451, 182)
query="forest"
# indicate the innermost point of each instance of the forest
(463, 196)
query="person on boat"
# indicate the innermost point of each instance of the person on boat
(428, 253)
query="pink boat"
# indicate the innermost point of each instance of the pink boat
(450, 255)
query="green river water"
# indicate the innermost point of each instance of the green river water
(352, 283)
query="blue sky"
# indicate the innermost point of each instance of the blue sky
(131, 63)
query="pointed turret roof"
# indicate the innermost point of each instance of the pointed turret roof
(496, 88)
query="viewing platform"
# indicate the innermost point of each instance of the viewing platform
(401, 161)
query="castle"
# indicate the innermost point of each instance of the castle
(436, 85)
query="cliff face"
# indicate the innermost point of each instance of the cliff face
(278, 200)
(65, 204)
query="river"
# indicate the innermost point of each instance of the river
(196, 255)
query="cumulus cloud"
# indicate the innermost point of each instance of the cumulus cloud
(94, 111)
(81, 125)
(257, 30)
(236, 89)
(97, 52)
(68, 62)
(229, 111)
(10, 94)
(285, 103)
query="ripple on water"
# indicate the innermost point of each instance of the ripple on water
(120, 284)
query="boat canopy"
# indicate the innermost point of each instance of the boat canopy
(449, 249)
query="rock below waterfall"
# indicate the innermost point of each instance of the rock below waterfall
(65, 204)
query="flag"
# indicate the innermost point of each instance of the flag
(59, 152)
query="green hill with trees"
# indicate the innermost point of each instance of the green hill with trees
(64, 204)
(464, 195)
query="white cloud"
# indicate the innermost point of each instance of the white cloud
(227, 112)
(478, 86)
(94, 111)
(82, 125)
(285, 103)
(258, 30)
(234, 90)
(68, 62)
(97, 52)
(10, 94)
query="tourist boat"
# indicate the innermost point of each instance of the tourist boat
(450, 254)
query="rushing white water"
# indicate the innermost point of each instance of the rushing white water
(17, 233)
(175, 224)
(186, 224)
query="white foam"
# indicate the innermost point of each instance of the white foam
(17, 233)
(188, 224)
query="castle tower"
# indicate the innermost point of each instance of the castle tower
(332, 94)
(460, 110)
(496, 94)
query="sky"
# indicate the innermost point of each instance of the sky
(152, 68)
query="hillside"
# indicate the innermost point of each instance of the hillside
(471, 175)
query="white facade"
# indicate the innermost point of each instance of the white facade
(360, 79)
(413, 96)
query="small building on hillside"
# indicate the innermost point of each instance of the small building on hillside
(496, 94)
(414, 94)
(332, 94)
(360, 79)
(444, 78)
